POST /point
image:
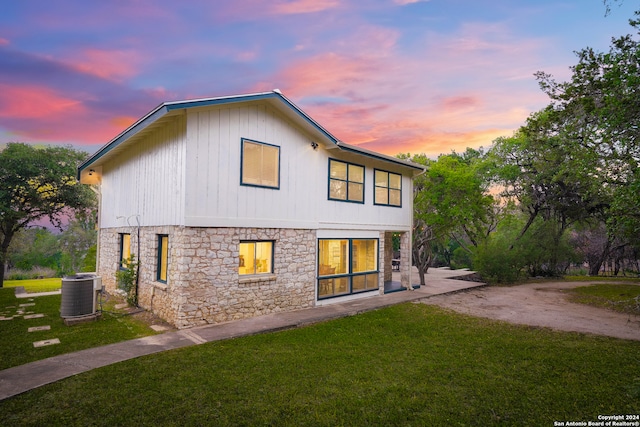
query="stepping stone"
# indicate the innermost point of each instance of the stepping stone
(34, 316)
(46, 342)
(39, 328)
(6, 318)
(159, 328)
(29, 304)
(119, 306)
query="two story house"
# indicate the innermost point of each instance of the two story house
(244, 205)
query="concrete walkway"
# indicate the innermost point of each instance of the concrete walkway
(20, 379)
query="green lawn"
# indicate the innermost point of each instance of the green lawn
(17, 348)
(35, 285)
(624, 298)
(407, 365)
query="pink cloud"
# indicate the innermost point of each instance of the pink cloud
(405, 2)
(115, 65)
(42, 114)
(457, 103)
(303, 6)
(4, 42)
(394, 102)
(32, 102)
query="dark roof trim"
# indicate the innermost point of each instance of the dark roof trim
(378, 156)
(132, 130)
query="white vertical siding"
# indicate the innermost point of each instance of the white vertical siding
(214, 196)
(147, 179)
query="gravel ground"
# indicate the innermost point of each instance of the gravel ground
(543, 305)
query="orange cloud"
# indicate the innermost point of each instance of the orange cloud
(122, 122)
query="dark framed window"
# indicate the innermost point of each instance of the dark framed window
(125, 249)
(260, 164)
(256, 257)
(346, 181)
(163, 258)
(387, 188)
(347, 266)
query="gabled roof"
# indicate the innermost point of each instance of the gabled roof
(168, 109)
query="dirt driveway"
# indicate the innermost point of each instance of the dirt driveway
(541, 304)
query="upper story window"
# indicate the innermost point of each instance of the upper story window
(260, 165)
(388, 188)
(346, 181)
(125, 249)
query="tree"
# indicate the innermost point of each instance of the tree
(421, 252)
(76, 240)
(38, 183)
(34, 247)
(451, 201)
(599, 119)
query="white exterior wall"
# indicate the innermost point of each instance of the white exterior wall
(215, 198)
(147, 180)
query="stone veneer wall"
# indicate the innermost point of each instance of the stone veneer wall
(203, 285)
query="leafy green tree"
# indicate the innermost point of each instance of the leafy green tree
(79, 235)
(451, 201)
(454, 198)
(598, 116)
(35, 247)
(37, 183)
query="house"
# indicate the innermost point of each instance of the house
(244, 205)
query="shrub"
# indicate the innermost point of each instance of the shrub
(127, 278)
(34, 273)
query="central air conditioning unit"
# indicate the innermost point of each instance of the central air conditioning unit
(80, 296)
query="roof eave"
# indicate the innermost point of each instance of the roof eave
(362, 151)
(153, 116)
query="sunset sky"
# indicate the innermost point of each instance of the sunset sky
(389, 75)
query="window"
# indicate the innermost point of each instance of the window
(125, 249)
(388, 188)
(260, 165)
(346, 181)
(347, 266)
(163, 258)
(256, 258)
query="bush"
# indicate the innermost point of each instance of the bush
(461, 258)
(496, 260)
(34, 273)
(89, 261)
(127, 278)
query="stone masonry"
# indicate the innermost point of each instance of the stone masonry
(203, 285)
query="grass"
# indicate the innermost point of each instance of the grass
(407, 365)
(623, 298)
(17, 344)
(601, 279)
(36, 285)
